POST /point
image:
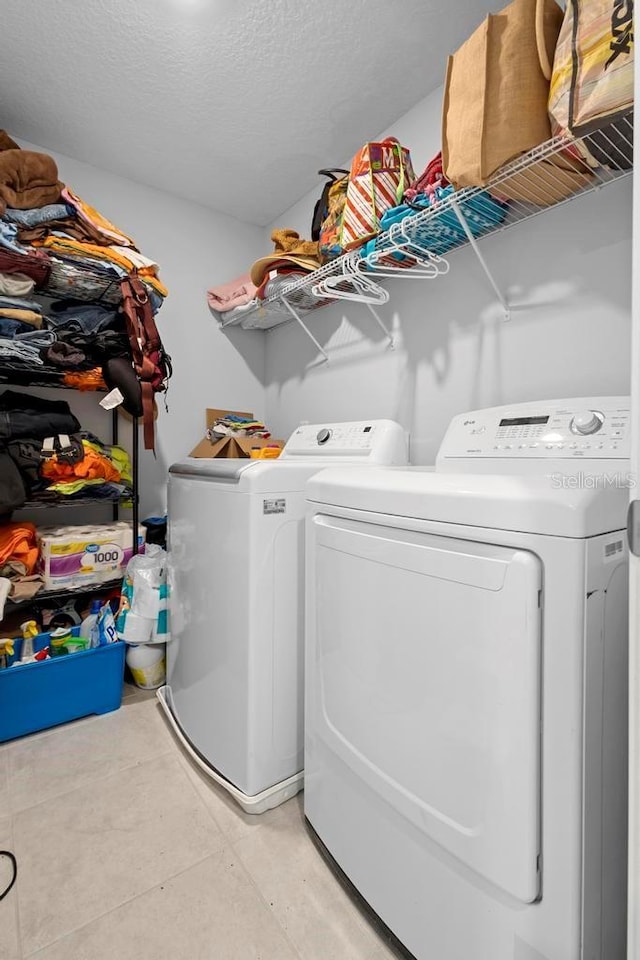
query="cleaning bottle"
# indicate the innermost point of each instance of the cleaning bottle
(58, 642)
(29, 631)
(7, 650)
(87, 631)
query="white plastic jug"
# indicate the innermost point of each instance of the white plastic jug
(147, 664)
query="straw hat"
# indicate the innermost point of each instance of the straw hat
(290, 249)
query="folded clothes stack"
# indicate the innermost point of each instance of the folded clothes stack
(18, 558)
(236, 426)
(292, 258)
(54, 242)
(45, 454)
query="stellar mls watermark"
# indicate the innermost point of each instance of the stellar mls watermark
(617, 479)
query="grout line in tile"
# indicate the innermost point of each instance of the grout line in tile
(201, 801)
(185, 760)
(360, 914)
(109, 772)
(181, 761)
(51, 731)
(142, 893)
(61, 727)
(267, 903)
(224, 844)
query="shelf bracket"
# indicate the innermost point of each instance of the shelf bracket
(483, 263)
(383, 326)
(298, 319)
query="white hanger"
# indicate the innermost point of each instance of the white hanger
(363, 289)
(425, 264)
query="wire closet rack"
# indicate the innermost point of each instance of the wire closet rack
(419, 243)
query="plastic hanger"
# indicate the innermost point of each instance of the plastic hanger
(426, 264)
(363, 289)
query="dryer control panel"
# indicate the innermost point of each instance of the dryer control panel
(375, 441)
(593, 428)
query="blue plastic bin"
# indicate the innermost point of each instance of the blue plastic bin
(35, 696)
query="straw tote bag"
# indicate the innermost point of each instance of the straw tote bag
(497, 91)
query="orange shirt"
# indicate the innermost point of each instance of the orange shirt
(18, 542)
(93, 467)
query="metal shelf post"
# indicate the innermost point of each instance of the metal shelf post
(299, 320)
(483, 263)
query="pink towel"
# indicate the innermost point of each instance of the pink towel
(230, 295)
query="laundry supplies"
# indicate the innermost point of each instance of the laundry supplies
(56, 687)
(142, 617)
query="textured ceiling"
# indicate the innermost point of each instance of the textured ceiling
(232, 103)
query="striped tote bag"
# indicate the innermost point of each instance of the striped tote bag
(379, 175)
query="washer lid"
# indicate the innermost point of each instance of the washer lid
(577, 506)
(219, 468)
(252, 476)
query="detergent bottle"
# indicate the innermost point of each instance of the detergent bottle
(87, 627)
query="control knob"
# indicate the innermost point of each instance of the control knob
(589, 421)
(323, 435)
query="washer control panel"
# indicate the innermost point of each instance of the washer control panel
(591, 427)
(380, 441)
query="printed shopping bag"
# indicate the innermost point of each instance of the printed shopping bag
(592, 81)
(380, 173)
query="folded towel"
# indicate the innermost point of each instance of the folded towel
(236, 293)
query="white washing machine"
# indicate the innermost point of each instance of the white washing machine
(466, 685)
(234, 692)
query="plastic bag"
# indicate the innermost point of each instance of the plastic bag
(142, 616)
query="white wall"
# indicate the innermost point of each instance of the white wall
(195, 249)
(568, 271)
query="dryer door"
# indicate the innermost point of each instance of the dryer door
(425, 661)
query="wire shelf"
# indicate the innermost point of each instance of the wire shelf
(82, 280)
(549, 176)
(29, 375)
(46, 501)
(68, 593)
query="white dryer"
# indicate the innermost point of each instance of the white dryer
(234, 692)
(466, 685)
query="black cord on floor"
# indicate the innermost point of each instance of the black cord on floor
(14, 864)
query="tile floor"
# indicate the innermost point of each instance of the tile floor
(127, 852)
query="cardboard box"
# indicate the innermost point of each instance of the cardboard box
(231, 447)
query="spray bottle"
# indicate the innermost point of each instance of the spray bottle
(29, 631)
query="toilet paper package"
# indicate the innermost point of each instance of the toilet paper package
(74, 555)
